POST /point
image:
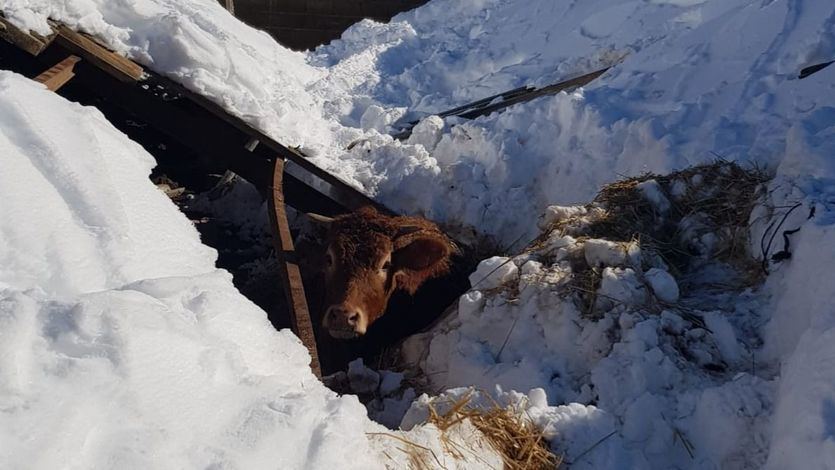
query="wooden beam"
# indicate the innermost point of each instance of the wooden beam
(59, 74)
(30, 42)
(114, 64)
(291, 277)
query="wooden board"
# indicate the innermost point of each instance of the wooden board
(291, 277)
(114, 64)
(806, 71)
(576, 82)
(59, 74)
(494, 103)
(32, 43)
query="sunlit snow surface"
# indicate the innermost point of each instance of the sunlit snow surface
(700, 79)
(121, 346)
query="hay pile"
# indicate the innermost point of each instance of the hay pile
(520, 443)
(468, 429)
(706, 202)
(720, 194)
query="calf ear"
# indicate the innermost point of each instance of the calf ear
(423, 257)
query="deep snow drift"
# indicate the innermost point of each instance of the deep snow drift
(121, 346)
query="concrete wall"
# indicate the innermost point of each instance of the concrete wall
(305, 24)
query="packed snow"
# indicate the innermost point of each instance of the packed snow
(638, 387)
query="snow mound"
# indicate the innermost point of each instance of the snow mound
(120, 343)
(701, 78)
(608, 344)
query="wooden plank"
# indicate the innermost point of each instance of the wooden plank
(119, 67)
(291, 277)
(805, 72)
(32, 43)
(59, 74)
(547, 90)
(489, 105)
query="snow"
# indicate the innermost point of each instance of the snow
(694, 382)
(494, 272)
(604, 253)
(663, 284)
(95, 285)
(698, 79)
(652, 191)
(121, 345)
(119, 336)
(361, 378)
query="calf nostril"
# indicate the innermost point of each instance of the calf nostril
(331, 315)
(353, 319)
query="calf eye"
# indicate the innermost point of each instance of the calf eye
(329, 260)
(386, 266)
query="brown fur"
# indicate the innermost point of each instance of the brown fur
(358, 245)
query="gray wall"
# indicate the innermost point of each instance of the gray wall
(305, 24)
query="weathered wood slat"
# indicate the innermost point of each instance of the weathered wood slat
(31, 42)
(114, 64)
(59, 74)
(291, 277)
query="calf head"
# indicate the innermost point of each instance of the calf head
(369, 256)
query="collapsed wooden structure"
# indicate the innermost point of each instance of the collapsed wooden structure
(217, 141)
(220, 140)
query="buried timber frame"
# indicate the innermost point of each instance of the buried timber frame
(219, 140)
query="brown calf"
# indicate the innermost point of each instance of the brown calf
(369, 256)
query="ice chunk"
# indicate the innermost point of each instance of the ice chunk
(621, 285)
(653, 193)
(427, 132)
(494, 272)
(663, 284)
(604, 253)
(361, 378)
